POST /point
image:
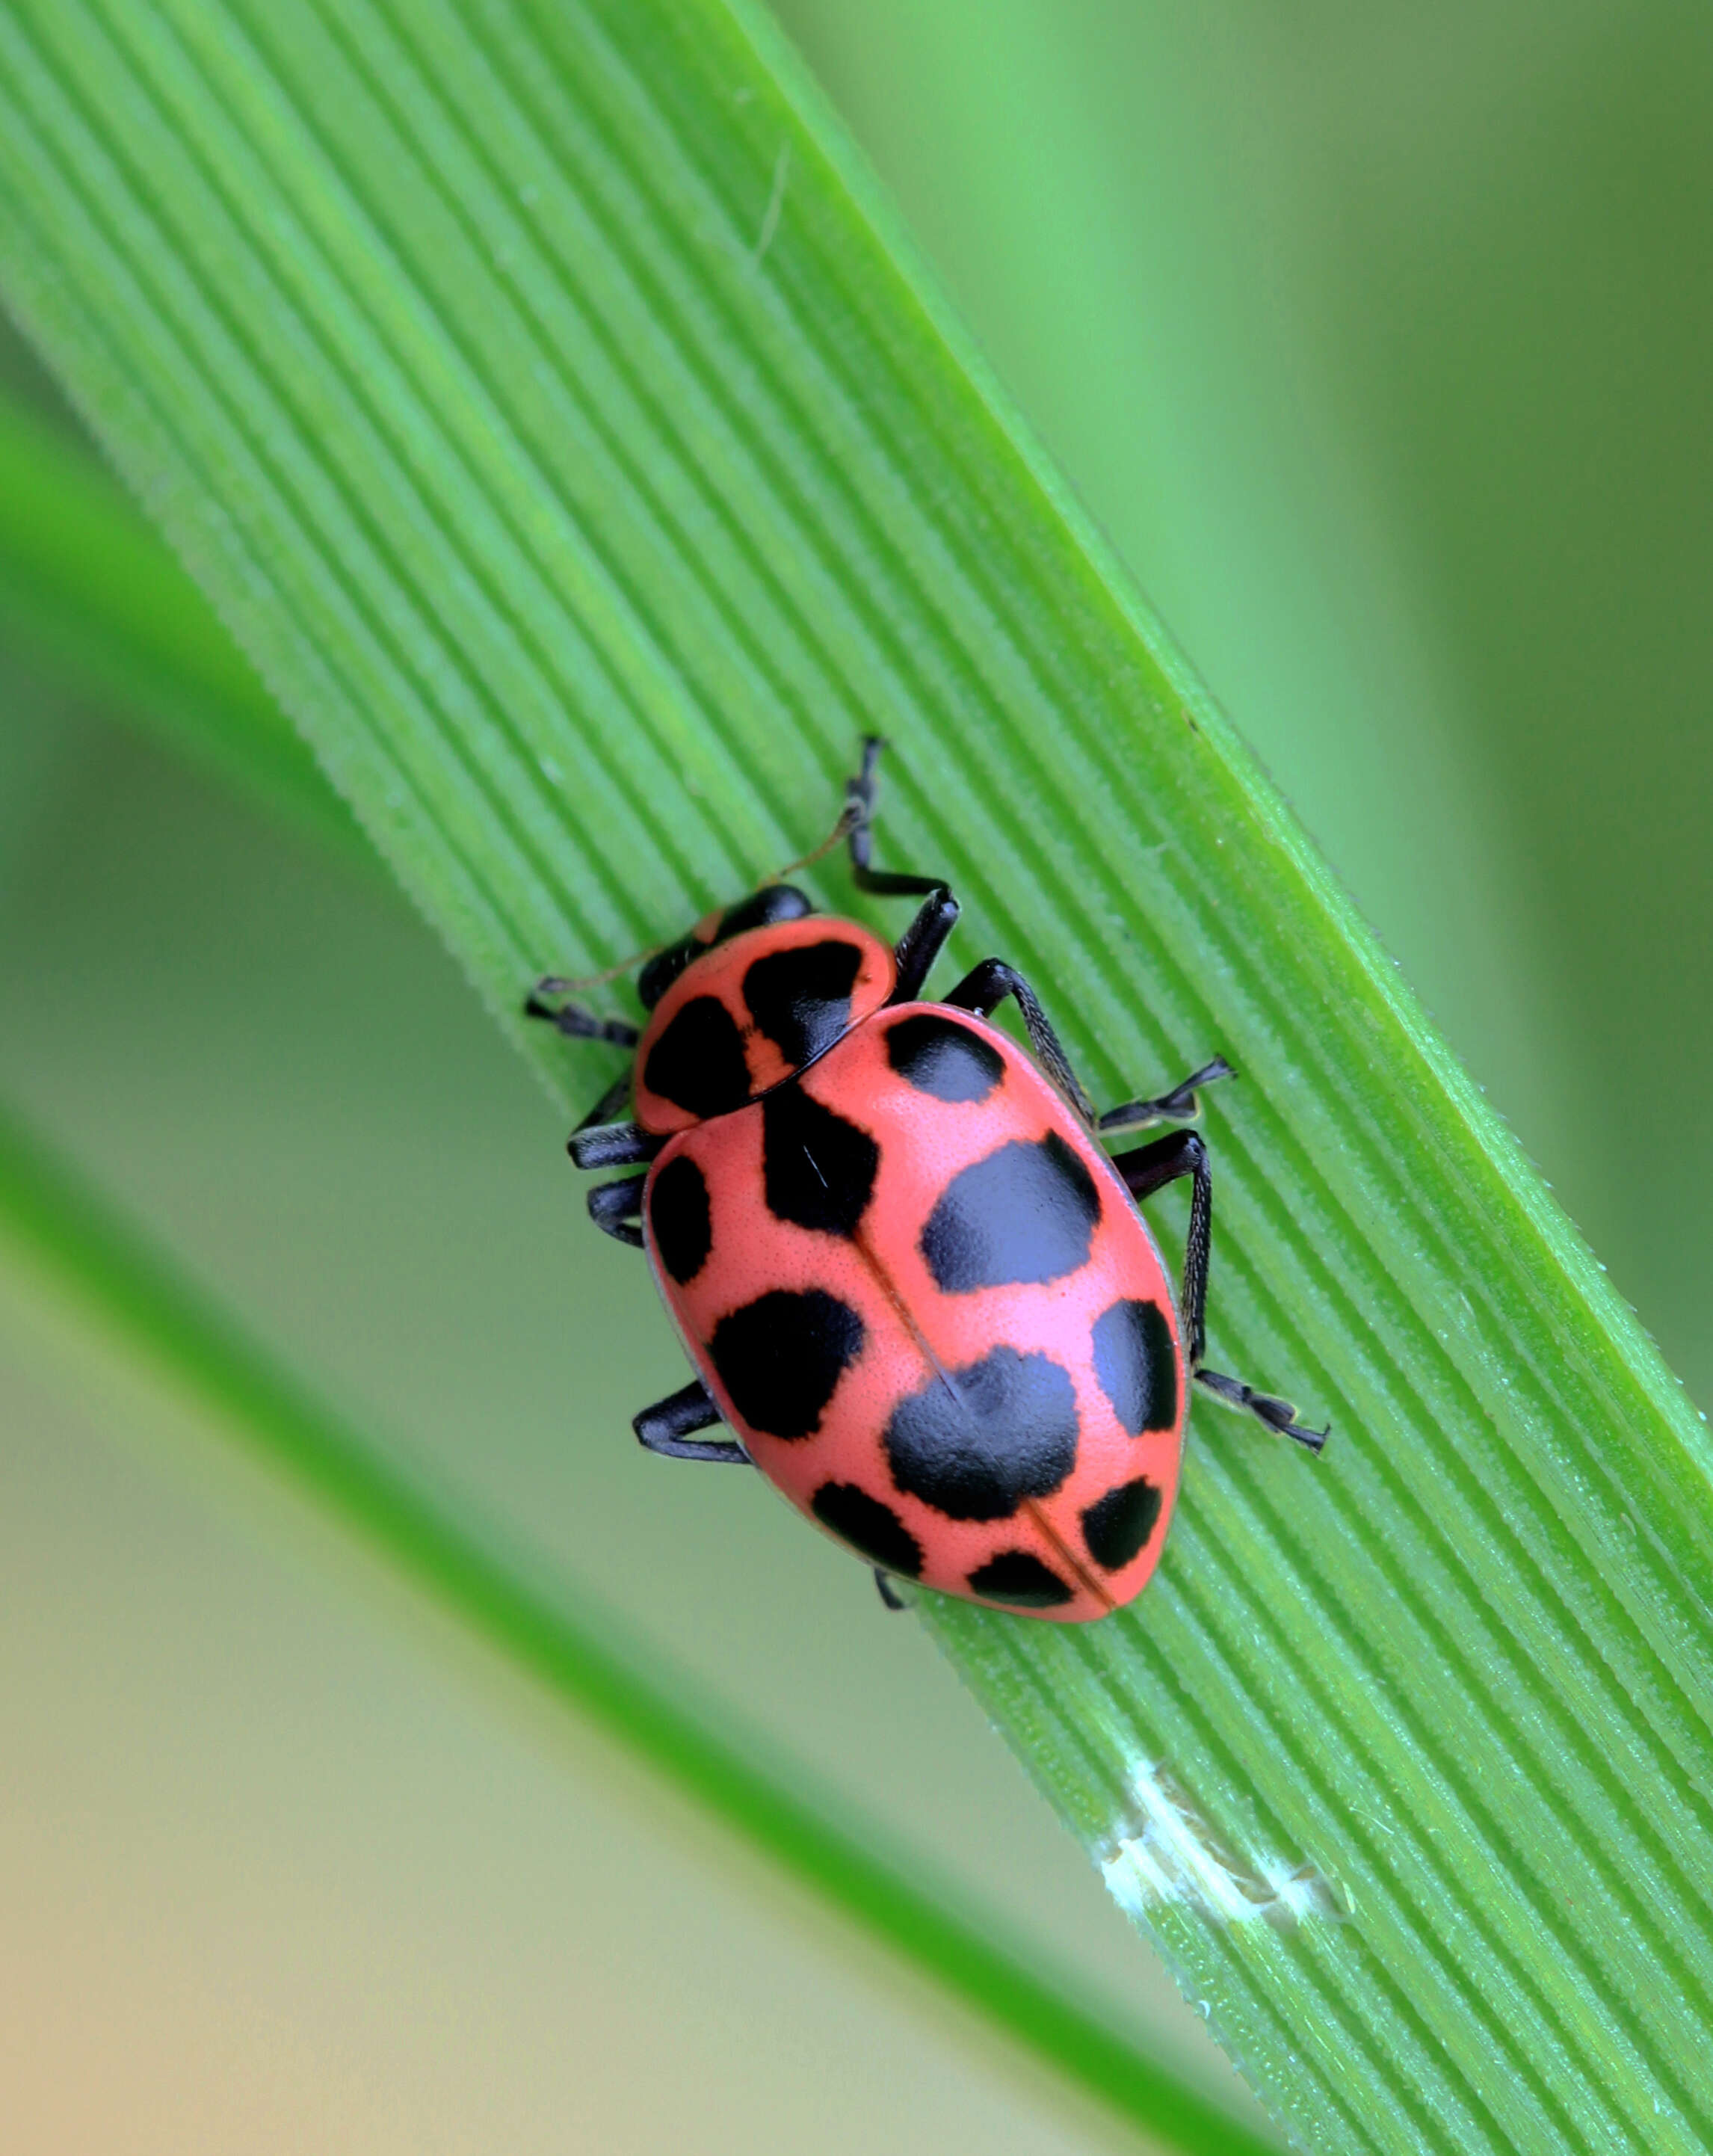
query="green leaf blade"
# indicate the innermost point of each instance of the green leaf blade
(129, 1292)
(584, 535)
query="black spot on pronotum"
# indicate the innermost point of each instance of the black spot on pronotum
(938, 1055)
(800, 997)
(1137, 1365)
(680, 1219)
(1026, 1214)
(975, 1442)
(869, 1527)
(1116, 1527)
(1020, 1579)
(818, 1170)
(664, 968)
(781, 1357)
(698, 1062)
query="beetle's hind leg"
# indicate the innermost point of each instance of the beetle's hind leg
(888, 1593)
(666, 1427)
(1150, 1168)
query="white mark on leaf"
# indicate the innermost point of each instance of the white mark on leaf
(1165, 1855)
(775, 204)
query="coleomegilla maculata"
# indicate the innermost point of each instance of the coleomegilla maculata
(913, 1284)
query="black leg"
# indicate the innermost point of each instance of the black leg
(984, 989)
(1278, 1414)
(666, 1427)
(598, 1140)
(617, 1209)
(923, 941)
(576, 1024)
(1179, 1106)
(889, 1594)
(606, 1110)
(1150, 1168)
(611, 1145)
(598, 1143)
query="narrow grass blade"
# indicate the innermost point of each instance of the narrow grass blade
(557, 417)
(88, 590)
(135, 1295)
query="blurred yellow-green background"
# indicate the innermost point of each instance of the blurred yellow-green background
(1379, 340)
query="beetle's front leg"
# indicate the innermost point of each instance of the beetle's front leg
(599, 1139)
(574, 1022)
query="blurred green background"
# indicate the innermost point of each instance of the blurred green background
(1380, 343)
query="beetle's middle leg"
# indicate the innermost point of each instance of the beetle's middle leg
(617, 1207)
(1179, 1106)
(986, 987)
(983, 989)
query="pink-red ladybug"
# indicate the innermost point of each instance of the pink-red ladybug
(913, 1284)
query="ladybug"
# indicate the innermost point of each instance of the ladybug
(915, 1287)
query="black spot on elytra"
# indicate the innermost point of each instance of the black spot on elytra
(869, 1527)
(698, 1062)
(974, 1444)
(937, 1056)
(1116, 1527)
(1026, 1214)
(679, 1219)
(774, 901)
(818, 1170)
(1016, 1577)
(1137, 1365)
(781, 1357)
(800, 998)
